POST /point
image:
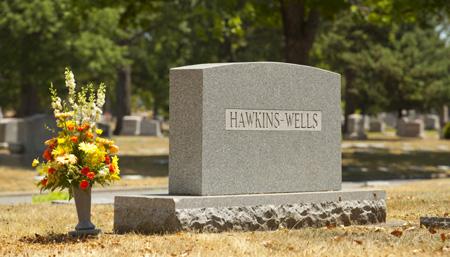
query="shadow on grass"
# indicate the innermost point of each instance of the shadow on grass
(382, 165)
(55, 238)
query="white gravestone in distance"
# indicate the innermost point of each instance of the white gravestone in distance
(432, 122)
(377, 125)
(150, 128)
(253, 146)
(131, 125)
(355, 127)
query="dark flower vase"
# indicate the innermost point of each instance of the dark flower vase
(83, 204)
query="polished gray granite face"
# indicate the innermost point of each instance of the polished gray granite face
(230, 132)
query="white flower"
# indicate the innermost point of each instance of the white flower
(66, 159)
(103, 171)
(70, 84)
(56, 103)
(87, 147)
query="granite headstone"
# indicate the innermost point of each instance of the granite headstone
(253, 146)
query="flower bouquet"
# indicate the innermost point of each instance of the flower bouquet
(77, 157)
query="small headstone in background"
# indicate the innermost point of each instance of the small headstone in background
(355, 127)
(390, 119)
(367, 120)
(410, 128)
(432, 122)
(131, 125)
(10, 133)
(376, 126)
(25, 135)
(150, 128)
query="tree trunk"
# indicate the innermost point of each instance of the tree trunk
(349, 102)
(155, 107)
(123, 93)
(29, 100)
(300, 25)
(443, 115)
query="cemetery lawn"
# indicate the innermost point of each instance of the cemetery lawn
(385, 156)
(40, 230)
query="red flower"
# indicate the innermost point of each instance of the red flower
(44, 181)
(111, 168)
(74, 139)
(47, 154)
(85, 170)
(51, 170)
(107, 159)
(80, 128)
(84, 184)
(90, 175)
(70, 127)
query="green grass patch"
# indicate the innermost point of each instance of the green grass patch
(43, 198)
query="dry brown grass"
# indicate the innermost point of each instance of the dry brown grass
(142, 145)
(39, 230)
(22, 180)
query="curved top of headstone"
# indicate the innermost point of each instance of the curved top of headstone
(221, 65)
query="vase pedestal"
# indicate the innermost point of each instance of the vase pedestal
(83, 204)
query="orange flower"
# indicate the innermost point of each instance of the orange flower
(51, 170)
(47, 154)
(85, 170)
(44, 182)
(89, 135)
(114, 149)
(111, 168)
(74, 139)
(83, 127)
(84, 184)
(107, 159)
(90, 175)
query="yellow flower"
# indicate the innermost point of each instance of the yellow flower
(87, 147)
(59, 150)
(98, 131)
(115, 163)
(61, 140)
(63, 115)
(35, 163)
(104, 141)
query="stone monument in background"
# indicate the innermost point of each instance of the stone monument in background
(431, 122)
(140, 126)
(355, 127)
(253, 146)
(407, 127)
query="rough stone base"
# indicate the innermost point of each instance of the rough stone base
(156, 214)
